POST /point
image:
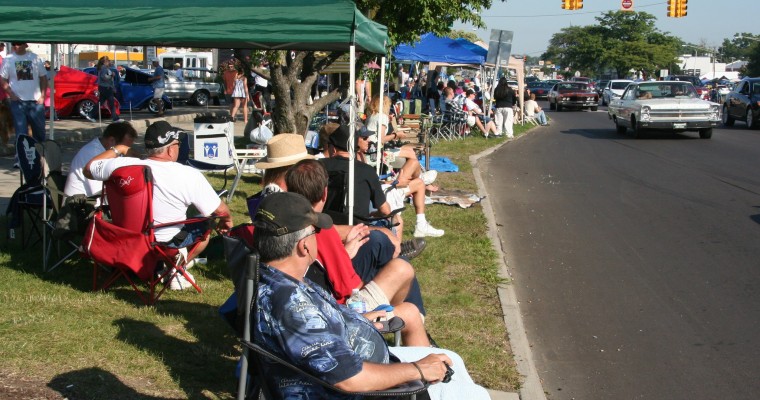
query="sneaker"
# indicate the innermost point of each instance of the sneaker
(429, 176)
(412, 248)
(179, 282)
(427, 230)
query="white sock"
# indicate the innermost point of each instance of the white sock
(421, 221)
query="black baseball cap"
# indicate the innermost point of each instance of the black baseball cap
(285, 212)
(341, 136)
(161, 133)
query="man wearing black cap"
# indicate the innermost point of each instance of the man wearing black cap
(298, 321)
(175, 186)
(24, 79)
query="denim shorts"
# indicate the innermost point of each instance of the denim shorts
(188, 235)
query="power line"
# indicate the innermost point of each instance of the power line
(565, 14)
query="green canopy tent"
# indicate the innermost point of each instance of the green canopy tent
(330, 25)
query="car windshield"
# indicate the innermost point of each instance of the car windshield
(619, 85)
(572, 86)
(666, 90)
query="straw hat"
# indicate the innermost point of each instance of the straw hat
(283, 150)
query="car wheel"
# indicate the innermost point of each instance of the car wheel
(559, 106)
(200, 98)
(705, 133)
(751, 124)
(621, 129)
(152, 107)
(87, 109)
(594, 108)
(638, 133)
(727, 120)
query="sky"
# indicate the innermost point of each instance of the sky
(535, 21)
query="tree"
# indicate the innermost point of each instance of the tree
(753, 66)
(471, 36)
(621, 41)
(738, 48)
(293, 74)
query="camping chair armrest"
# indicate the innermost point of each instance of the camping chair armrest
(186, 221)
(381, 217)
(406, 389)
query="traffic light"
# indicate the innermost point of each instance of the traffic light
(566, 4)
(672, 10)
(578, 4)
(682, 6)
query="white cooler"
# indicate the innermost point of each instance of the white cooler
(213, 142)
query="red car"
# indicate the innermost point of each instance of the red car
(573, 95)
(76, 94)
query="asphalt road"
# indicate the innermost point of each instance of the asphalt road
(636, 262)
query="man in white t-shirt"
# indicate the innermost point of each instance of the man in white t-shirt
(115, 134)
(533, 110)
(24, 78)
(175, 186)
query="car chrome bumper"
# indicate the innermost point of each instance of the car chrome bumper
(678, 125)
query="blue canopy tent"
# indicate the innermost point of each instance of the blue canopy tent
(432, 48)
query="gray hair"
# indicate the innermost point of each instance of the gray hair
(273, 247)
(158, 150)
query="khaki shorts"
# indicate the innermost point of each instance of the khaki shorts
(395, 197)
(374, 296)
(158, 93)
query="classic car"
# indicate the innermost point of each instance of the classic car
(573, 94)
(664, 105)
(135, 92)
(614, 90)
(192, 88)
(743, 103)
(540, 89)
(76, 94)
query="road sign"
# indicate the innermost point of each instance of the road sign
(499, 47)
(626, 5)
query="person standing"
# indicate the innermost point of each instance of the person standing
(106, 85)
(158, 86)
(504, 100)
(240, 94)
(261, 84)
(179, 72)
(23, 77)
(229, 82)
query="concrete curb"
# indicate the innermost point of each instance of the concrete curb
(531, 387)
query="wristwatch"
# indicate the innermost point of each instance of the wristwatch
(117, 152)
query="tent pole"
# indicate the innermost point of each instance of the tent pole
(51, 85)
(351, 127)
(380, 111)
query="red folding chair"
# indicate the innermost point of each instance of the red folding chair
(127, 242)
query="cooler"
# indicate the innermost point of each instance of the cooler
(213, 141)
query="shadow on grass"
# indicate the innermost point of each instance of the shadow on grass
(95, 383)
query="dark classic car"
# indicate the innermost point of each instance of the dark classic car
(665, 105)
(540, 89)
(573, 94)
(743, 103)
(76, 93)
(135, 92)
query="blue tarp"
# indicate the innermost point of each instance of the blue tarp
(473, 47)
(441, 164)
(432, 48)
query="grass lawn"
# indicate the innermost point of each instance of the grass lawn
(56, 335)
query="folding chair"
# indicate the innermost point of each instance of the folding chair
(127, 242)
(244, 271)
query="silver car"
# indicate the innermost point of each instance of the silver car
(192, 88)
(613, 90)
(663, 105)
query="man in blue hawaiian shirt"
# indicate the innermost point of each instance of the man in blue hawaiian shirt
(303, 324)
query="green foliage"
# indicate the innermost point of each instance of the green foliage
(753, 67)
(738, 48)
(621, 41)
(458, 33)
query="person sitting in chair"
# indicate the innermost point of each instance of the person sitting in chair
(175, 186)
(300, 322)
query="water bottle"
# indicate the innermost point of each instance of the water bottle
(356, 302)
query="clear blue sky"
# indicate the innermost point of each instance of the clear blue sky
(535, 21)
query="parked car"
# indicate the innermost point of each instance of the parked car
(192, 89)
(600, 86)
(614, 90)
(135, 91)
(743, 103)
(540, 89)
(76, 94)
(664, 105)
(573, 94)
(702, 90)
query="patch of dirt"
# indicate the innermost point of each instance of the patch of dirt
(15, 387)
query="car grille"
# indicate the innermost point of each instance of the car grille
(681, 115)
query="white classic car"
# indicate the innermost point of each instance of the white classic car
(663, 105)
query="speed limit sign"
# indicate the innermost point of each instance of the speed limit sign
(626, 5)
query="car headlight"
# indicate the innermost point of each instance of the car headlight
(715, 112)
(645, 113)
